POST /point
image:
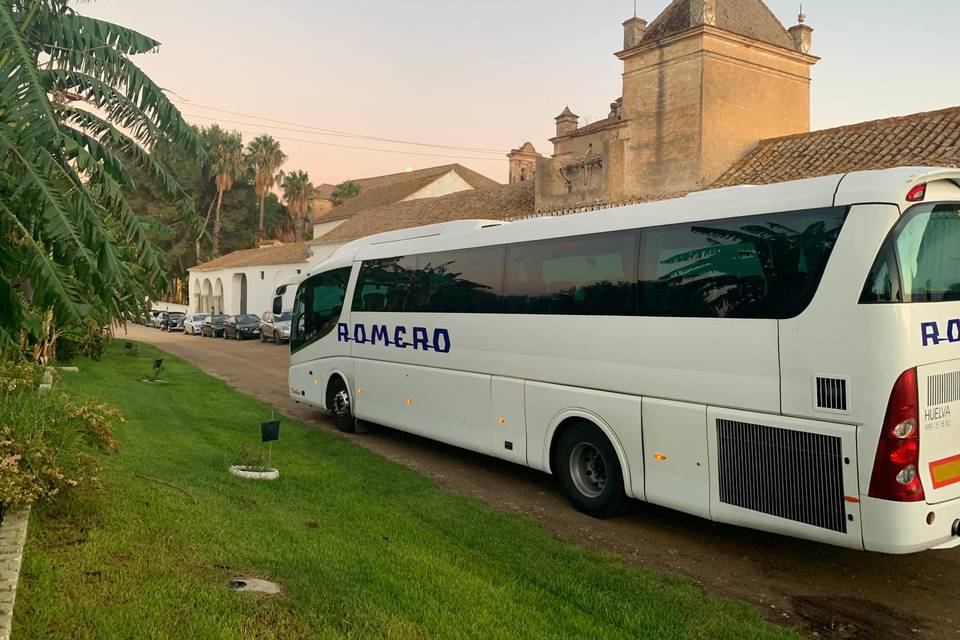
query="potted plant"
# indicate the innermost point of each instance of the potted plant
(252, 466)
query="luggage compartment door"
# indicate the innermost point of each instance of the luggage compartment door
(677, 472)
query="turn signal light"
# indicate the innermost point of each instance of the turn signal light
(895, 467)
(917, 194)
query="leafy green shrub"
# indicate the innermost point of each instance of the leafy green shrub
(19, 376)
(47, 441)
(88, 340)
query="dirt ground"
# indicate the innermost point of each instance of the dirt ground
(819, 590)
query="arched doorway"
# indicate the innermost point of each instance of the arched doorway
(217, 304)
(206, 297)
(240, 291)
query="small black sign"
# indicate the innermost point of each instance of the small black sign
(158, 364)
(270, 431)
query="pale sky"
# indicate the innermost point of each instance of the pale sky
(486, 74)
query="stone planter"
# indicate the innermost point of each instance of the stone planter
(254, 473)
(13, 534)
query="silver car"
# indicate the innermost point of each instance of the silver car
(193, 323)
(275, 326)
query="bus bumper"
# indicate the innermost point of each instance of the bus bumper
(902, 527)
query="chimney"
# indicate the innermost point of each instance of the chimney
(633, 30)
(703, 12)
(802, 35)
(567, 122)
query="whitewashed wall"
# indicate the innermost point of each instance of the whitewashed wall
(262, 281)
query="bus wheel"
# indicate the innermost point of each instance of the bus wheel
(339, 404)
(589, 471)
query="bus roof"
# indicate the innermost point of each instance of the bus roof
(881, 186)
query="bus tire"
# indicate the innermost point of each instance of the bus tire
(589, 472)
(338, 403)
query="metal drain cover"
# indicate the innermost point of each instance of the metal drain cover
(255, 585)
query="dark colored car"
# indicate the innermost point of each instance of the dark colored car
(171, 321)
(275, 326)
(240, 327)
(213, 326)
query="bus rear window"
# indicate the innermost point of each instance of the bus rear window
(920, 261)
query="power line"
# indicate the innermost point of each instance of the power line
(273, 127)
(348, 146)
(335, 132)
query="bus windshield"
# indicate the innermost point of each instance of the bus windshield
(920, 262)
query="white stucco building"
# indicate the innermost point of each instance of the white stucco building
(245, 281)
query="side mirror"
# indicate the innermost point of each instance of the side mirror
(278, 304)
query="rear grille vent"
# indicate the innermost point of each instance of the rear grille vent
(943, 388)
(831, 394)
(789, 474)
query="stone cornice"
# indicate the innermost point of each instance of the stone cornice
(584, 131)
(722, 34)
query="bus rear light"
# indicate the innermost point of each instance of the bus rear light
(895, 474)
(905, 429)
(907, 475)
(917, 194)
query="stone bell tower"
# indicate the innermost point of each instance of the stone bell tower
(702, 84)
(523, 163)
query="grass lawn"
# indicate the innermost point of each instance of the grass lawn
(363, 547)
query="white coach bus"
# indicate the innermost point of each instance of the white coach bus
(783, 357)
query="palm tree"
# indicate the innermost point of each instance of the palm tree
(297, 192)
(344, 191)
(75, 114)
(265, 158)
(227, 167)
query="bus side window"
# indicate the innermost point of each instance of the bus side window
(317, 306)
(766, 266)
(920, 260)
(387, 284)
(883, 283)
(584, 275)
(462, 281)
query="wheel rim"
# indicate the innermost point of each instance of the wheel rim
(588, 470)
(341, 404)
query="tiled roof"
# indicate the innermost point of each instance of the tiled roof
(292, 253)
(497, 203)
(921, 139)
(325, 190)
(382, 190)
(750, 18)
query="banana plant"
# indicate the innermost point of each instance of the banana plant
(76, 114)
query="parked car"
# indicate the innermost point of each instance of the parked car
(192, 323)
(275, 326)
(239, 327)
(213, 326)
(153, 318)
(171, 321)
